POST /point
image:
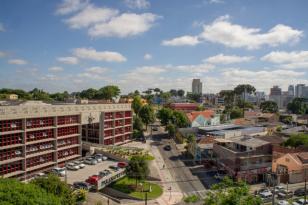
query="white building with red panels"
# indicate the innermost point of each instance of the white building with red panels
(36, 137)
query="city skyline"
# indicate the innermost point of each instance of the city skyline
(76, 44)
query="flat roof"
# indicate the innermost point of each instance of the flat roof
(249, 141)
(221, 127)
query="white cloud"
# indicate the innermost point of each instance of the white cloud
(3, 54)
(147, 56)
(92, 54)
(216, 1)
(124, 25)
(182, 41)
(137, 4)
(193, 69)
(96, 70)
(2, 29)
(149, 70)
(70, 6)
(227, 59)
(288, 60)
(17, 62)
(233, 35)
(68, 60)
(222, 31)
(55, 69)
(90, 16)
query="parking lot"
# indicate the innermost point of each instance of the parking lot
(88, 170)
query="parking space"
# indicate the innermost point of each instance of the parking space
(88, 170)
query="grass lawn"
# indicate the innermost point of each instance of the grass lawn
(128, 186)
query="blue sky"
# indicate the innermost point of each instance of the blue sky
(139, 44)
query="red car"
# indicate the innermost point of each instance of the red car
(122, 164)
(93, 179)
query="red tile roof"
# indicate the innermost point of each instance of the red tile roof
(207, 114)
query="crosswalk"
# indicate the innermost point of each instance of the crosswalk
(201, 193)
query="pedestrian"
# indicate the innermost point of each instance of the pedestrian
(163, 166)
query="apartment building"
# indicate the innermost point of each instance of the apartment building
(35, 137)
(245, 157)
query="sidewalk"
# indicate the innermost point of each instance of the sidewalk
(172, 196)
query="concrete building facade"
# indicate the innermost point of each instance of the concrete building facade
(38, 137)
(196, 86)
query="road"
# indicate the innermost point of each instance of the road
(188, 183)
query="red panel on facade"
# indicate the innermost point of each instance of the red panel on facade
(10, 139)
(39, 135)
(65, 120)
(10, 153)
(62, 131)
(108, 142)
(34, 161)
(128, 113)
(11, 167)
(39, 122)
(67, 141)
(10, 125)
(67, 152)
(108, 115)
(39, 147)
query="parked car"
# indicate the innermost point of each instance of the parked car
(122, 164)
(155, 128)
(299, 192)
(72, 166)
(167, 147)
(302, 202)
(82, 185)
(266, 196)
(90, 161)
(114, 168)
(295, 203)
(104, 173)
(80, 164)
(59, 171)
(283, 202)
(93, 179)
(283, 194)
(100, 157)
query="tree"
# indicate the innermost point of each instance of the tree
(165, 116)
(236, 112)
(157, 91)
(173, 92)
(137, 123)
(229, 192)
(297, 140)
(180, 93)
(108, 92)
(39, 95)
(165, 96)
(147, 115)
(13, 192)
(137, 104)
(228, 96)
(269, 106)
(244, 104)
(171, 129)
(240, 89)
(90, 93)
(180, 119)
(52, 184)
(298, 106)
(200, 108)
(137, 168)
(194, 97)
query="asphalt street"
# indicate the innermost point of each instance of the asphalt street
(188, 183)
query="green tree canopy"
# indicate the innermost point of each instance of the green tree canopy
(137, 104)
(181, 93)
(13, 192)
(236, 112)
(269, 106)
(52, 184)
(194, 97)
(298, 106)
(147, 114)
(90, 93)
(108, 92)
(137, 123)
(180, 119)
(171, 129)
(138, 168)
(244, 87)
(228, 96)
(297, 140)
(173, 92)
(228, 192)
(165, 115)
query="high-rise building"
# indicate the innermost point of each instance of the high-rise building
(38, 137)
(275, 90)
(196, 86)
(291, 90)
(276, 96)
(299, 90)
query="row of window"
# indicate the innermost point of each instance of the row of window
(67, 152)
(67, 131)
(10, 125)
(39, 135)
(9, 168)
(64, 120)
(39, 122)
(67, 142)
(10, 154)
(34, 161)
(10, 139)
(30, 149)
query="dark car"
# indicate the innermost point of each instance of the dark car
(167, 148)
(114, 168)
(299, 192)
(82, 185)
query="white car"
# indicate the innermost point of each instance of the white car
(72, 166)
(59, 171)
(283, 202)
(80, 164)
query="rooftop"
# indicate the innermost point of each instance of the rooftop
(249, 141)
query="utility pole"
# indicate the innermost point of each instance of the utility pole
(146, 198)
(273, 199)
(305, 186)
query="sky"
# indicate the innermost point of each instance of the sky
(139, 44)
